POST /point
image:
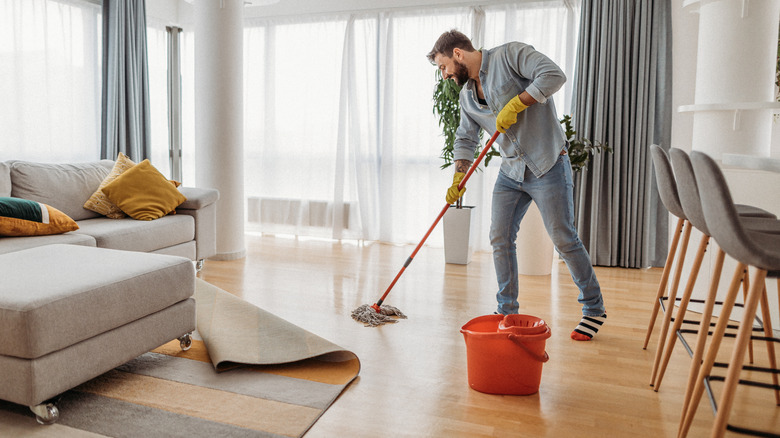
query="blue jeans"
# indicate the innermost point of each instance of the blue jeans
(554, 195)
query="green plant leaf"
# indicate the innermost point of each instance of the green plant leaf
(580, 149)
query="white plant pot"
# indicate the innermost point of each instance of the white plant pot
(457, 235)
(534, 247)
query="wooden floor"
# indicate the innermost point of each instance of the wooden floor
(413, 380)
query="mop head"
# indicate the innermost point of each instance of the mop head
(371, 318)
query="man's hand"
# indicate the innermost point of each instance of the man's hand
(508, 116)
(452, 192)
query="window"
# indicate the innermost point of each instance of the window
(340, 140)
(50, 80)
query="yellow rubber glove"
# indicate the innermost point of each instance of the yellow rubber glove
(452, 193)
(508, 116)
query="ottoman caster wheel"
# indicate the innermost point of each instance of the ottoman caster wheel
(185, 342)
(46, 413)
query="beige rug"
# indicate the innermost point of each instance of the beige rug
(236, 332)
(252, 375)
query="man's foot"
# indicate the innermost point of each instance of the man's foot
(588, 327)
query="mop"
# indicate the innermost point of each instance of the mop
(378, 314)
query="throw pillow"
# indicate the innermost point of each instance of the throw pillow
(22, 217)
(144, 193)
(99, 202)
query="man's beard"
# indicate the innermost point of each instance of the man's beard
(461, 75)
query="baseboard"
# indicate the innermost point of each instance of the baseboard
(225, 256)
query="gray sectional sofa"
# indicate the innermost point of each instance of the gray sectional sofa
(136, 275)
(190, 233)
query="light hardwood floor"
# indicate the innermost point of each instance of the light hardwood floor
(413, 380)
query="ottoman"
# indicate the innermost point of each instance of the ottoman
(69, 313)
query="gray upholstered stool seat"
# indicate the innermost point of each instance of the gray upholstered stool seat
(70, 313)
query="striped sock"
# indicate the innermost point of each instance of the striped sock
(588, 327)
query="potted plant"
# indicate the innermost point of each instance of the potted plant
(580, 149)
(457, 221)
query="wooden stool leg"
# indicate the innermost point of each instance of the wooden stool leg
(738, 355)
(670, 303)
(664, 280)
(745, 289)
(770, 346)
(704, 328)
(678, 321)
(712, 351)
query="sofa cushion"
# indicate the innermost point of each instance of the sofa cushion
(11, 244)
(5, 179)
(65, 187)
(21, 217)
(144, 193)
(85, 292)
(132, 235)
(99, 202)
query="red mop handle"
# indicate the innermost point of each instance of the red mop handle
(476, 163)
(436, 222)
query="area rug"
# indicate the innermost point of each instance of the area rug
(252, 375)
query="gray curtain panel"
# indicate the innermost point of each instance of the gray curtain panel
(623, 86)
(125, 124)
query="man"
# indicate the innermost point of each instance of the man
(509, 89)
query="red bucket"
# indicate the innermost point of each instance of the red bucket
(505, 354)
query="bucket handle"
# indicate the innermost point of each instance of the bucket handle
(516, 339)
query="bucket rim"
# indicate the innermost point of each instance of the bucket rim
(497, 318)
(546, 334)
(522, 324)
(483, 318)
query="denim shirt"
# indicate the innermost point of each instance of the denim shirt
(537, 139)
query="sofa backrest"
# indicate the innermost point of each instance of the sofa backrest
(65, 187)
(5, 180)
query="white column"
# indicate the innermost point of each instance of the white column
(735, 76)
(219, 122)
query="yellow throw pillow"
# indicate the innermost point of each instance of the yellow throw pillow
(144, 193)
(21, 217)
(99, 202)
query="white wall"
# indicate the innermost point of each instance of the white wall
(166, 11)
(685, 35)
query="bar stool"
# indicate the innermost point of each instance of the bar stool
(668, 192)
(749, 248)
(691, 203)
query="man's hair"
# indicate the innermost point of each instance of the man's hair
(447, 42)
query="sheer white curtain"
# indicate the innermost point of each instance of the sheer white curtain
(49, 80)
(292, 85)
(157, 53)
(412, 184)
(188, 107)
(340, 138)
